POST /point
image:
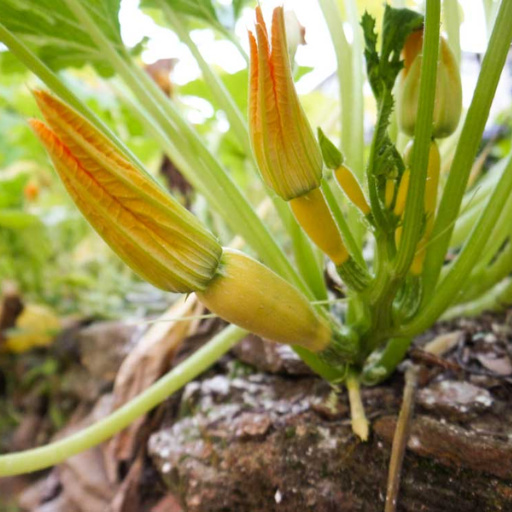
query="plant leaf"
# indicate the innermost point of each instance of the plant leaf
(52, 31)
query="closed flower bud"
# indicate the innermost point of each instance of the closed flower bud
(389, 193)
(331, 154)
(350, 185)
(153, 234)
(248, 294)
(401, 196)
(283, 142)
(448, 99)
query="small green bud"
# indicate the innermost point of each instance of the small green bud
(331, 154)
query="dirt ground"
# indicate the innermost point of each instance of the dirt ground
(260, 433)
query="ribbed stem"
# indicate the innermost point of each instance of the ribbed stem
(469, 141)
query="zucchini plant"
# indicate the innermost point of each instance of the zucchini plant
(390, 199)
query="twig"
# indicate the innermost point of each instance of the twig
(400, 438)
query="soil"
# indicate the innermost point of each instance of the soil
(260, 433)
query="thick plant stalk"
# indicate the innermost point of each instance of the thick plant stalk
(469, 141)
(58, 451)
(413, 215)
(452, 22)
(466, 260)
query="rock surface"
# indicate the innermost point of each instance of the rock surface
(278, 441)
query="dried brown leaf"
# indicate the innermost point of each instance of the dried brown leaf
(148, 361)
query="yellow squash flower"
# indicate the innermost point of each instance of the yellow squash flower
(151, 232)
(283, 142)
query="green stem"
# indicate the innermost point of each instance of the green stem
(460, 270)
(235, 117)
(498, 299)
(58, 451)
(350, 83)
(500, 234)
(379, 366)
(343, 225)
(492, 65)
(452, 23)
(414, 211)
(473, 203)
(487, 276)
(392, 270)
(355, 116)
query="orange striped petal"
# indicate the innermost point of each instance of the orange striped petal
(160, 240)
(305, 154)
(284, 145)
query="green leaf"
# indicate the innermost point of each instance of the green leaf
(211, 12)
(15, 219)
(396, 26)
(55, 35)
(382, 69)
(235, 83)
(238, 6)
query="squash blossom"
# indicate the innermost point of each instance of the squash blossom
(169, 247)
(283, 142)
(448, 99)
(285, 148)
(151, 232)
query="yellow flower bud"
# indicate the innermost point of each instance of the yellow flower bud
(448, 100)
(350, 185)
(150, 231)
(389, 193)
(401, 197)
(283, 142)
(248, 294)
